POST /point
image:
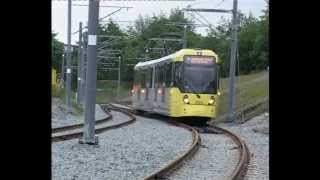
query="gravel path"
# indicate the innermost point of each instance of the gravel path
(59, 116)
(214, 160)
(130, 152)
(256, 134)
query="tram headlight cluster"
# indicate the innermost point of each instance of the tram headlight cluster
(212, 100)
(186, 99)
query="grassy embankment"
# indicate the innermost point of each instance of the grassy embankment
(249, 89)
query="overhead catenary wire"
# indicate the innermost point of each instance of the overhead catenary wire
(85, 5)
(209, 24)
(204, 24)
(219, 3)
(100, 19)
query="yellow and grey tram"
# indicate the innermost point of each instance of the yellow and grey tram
(182, 84)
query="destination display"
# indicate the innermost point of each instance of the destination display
(199, 60)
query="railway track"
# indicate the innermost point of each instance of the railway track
(80, 125)
(240, 170)
(237, 174)
(75, 131)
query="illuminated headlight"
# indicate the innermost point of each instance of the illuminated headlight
(132, 91)
(212, 100)
(143, 91)
(219, 93)
(186, 99)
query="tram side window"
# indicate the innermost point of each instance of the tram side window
(135, 79)
(148, 80)
(217, 76)
(158, 76)
(161, 80)
(168, 74)
(164, 75)
(147, 77)
(143, 78)
(150, 72)
(177, 73)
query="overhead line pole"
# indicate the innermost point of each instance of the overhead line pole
(119, 80)
(234, 47)
(233, 51)
(184, 36)
(84, 69)
(68, 81)
(90, 96)
(80, 67)
(62, 70)
(184, 25)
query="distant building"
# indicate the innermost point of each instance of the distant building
(73, 47)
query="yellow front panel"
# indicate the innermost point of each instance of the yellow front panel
(196, 107)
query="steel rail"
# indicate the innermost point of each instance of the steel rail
(77, 132)
(239, 171)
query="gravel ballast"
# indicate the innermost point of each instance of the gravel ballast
(130, 152)
(217, 156)
(59, 116)
(255, 132)
(215, 159)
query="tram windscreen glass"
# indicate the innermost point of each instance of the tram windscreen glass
(199, 75)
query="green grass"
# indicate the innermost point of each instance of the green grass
(60, 93)
(249, 89)
(107, 91)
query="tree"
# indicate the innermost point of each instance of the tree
(57, 51)
(252, 40)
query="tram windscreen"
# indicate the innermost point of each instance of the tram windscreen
(200, 75)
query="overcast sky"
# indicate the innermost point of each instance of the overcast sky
(80, 13)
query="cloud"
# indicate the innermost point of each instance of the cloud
(150, 8)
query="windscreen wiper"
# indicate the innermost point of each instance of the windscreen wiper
(205, 87)
(192, 88)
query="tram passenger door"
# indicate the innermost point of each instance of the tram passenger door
(154, 87)
(148, 99)
(160, 88)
